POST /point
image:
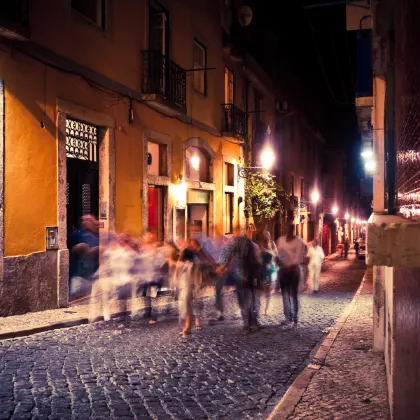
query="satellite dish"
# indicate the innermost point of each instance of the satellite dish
(245, 15)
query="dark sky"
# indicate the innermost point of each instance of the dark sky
(312, 58)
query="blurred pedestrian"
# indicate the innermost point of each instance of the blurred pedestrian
(291, 250)
(346, 247)
(241, 247)
(357, 248)
(316, 256)
(189, 281)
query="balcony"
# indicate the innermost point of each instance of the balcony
(233, 123)
(163, 84)
(14, 19)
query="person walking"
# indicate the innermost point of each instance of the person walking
(346, 248)
(357, 248)
(316, 256)
(245, 274)
(291, 251)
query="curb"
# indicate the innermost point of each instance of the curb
(293, 395)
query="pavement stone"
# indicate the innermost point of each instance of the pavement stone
(352, 382)
(147, 371)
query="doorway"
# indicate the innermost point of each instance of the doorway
(156, 210)
(198, 216)
(82, 196)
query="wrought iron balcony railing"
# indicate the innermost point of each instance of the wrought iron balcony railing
(161, 76)
(234, 121)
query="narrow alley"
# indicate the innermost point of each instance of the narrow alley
(128, 369)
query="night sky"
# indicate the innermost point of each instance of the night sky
(312, 58)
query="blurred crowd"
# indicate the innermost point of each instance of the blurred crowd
(121, 267)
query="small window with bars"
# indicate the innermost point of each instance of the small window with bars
(200, 76)
(81, 141)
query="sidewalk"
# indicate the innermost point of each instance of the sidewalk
(35, 322)
(345, 379)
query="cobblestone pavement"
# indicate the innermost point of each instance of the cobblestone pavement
(129, 369)
(352, 383)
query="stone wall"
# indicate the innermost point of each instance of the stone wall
(29, 284)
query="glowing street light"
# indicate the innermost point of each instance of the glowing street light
(367, 154)
(267, 158)
(346, 216)
(315, 196)
(370, 166)
(335, 210)
(352, 219)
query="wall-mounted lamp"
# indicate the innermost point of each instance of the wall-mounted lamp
(195, 162)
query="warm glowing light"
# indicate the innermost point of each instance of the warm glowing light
(315, 196)
(346, 216)
(195, 162)
(335, 210)
(179, 192)
(358, 221)
(367, 153)
(267, 158)
(370, 166)
(352, 219)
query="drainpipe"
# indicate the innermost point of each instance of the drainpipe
(246, 153)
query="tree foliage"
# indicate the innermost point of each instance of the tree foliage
(265, 196)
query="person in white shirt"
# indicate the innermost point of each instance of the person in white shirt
(291, 250)
(316, 256)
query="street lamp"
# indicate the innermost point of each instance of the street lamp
(352, 219)
(267, 158)
(315, 196)
(335, 210)
(346, 216)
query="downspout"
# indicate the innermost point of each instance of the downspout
(246, 149)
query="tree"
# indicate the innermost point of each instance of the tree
(265, 197)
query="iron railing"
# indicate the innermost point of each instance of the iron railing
(234, 120)
(161, 76)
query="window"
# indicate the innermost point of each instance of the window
(228, 213)
(94, 10)
(157, 159)
(200, 76)
(229, 174)
(198, 165)
(302, 187)
(229, 92)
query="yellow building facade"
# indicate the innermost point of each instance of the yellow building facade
(132, 111)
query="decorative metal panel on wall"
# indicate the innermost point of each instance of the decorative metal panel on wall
(81, 141)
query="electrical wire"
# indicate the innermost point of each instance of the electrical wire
(336, 61)
(322, 66)
(118, 96)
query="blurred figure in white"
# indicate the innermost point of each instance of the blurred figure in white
(316, 256)
(189, 281)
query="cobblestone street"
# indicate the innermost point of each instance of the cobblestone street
(142, 371)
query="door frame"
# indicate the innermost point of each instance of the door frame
(189, 221)
(106, 126)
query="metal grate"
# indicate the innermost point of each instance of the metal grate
(234, 120)
(407, 106)
(81, 141)
(164, 77)
(86, 199)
